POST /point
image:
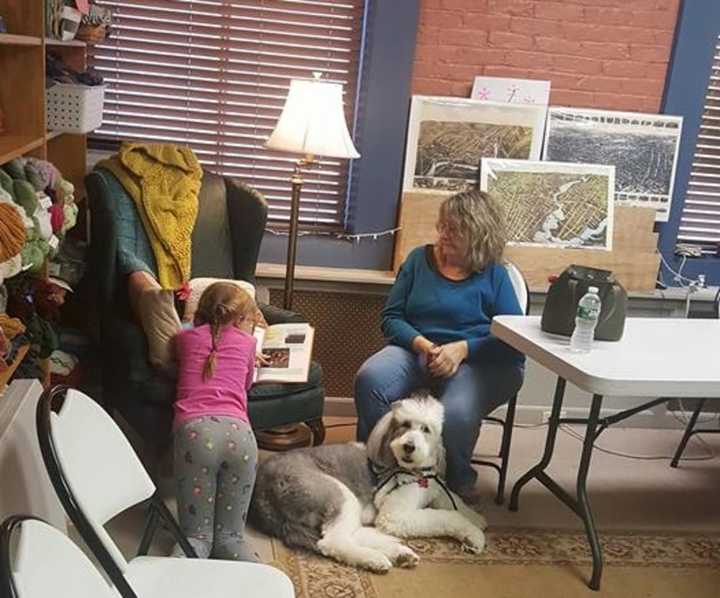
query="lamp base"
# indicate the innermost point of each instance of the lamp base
(284, 438)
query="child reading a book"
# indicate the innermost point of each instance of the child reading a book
(215, 450)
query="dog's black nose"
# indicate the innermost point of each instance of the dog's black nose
(408, 447)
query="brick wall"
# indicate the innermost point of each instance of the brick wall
(597, 53)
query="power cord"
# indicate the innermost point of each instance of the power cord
(710, 455)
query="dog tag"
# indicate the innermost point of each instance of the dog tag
(423, 483)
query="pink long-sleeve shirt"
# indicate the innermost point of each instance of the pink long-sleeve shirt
(225, 392)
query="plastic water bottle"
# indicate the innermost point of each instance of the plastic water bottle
(588, 312)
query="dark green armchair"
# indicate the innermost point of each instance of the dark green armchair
(225, 244)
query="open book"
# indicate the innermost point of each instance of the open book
(289, 349)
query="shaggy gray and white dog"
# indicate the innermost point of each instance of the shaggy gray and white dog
(327, 498)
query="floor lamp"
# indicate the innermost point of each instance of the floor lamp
(312, 124)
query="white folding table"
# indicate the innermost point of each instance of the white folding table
(657, 358)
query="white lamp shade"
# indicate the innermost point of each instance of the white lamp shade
(313, 122)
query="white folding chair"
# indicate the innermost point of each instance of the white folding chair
(523, 296)
(37, 561)
(97, 475)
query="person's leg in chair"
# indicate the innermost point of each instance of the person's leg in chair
(472, 393)
(393, 373)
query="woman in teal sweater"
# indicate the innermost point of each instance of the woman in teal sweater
(437, 324)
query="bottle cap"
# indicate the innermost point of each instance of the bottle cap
(593, 290)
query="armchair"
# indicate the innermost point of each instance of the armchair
(225, 244)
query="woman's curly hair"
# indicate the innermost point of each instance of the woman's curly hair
(479, 222)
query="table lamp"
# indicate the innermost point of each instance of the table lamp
(312, 123)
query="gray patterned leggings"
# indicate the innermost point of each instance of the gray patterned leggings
(215, 463)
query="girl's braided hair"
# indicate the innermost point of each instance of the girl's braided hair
(222, 304)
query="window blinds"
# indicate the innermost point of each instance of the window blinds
(214, 74)
(700, 221)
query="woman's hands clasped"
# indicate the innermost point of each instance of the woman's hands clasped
(444, 360)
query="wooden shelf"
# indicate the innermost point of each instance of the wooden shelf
(13, 146)
(8, 39)
(53, 134)
(73, 43)
(7, 373)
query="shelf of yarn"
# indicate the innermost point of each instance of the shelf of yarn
(7, 373)
(9, 39)
(13, 146)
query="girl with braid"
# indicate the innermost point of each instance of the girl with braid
(215, 450)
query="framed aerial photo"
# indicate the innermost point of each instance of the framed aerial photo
(642, 147)
(553, 204)
(447, 138)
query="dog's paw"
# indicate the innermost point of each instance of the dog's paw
(378, 564)
(406, 558)
(474, 542)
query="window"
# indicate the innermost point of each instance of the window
(700, 220)
(214, 74)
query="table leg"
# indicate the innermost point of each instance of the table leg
(583, 503)
(553, 424)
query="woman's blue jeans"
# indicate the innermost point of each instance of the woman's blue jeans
(473, 392)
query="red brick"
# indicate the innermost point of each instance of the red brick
(607, 33)
(647, 87)
(577, 64)
(654, 19)
(531, 60)
(559, 80)
(649, 53)
(455, 72)
(664, 38)
(435, 87)
(502, 39)
(629, 68)
(428, 35)
(461, 89)
(562, 11)
(609, 84)
(464, 37)
(619, 101)
(647, 5)
(571, 98)
(448, 54)
(448, 20)
(597, 53)
(554, 45)
(614, 3)
(607, 16)
(506, 71)
(672, 5)
(651, 105)
(487, 22)
(483, 56)
(532, 26)
(464, 4)
(424, 70)
(522, 8)
(430, 17)
(425, 53)
(605, 50)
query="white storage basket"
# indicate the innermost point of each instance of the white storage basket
(74, 108)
